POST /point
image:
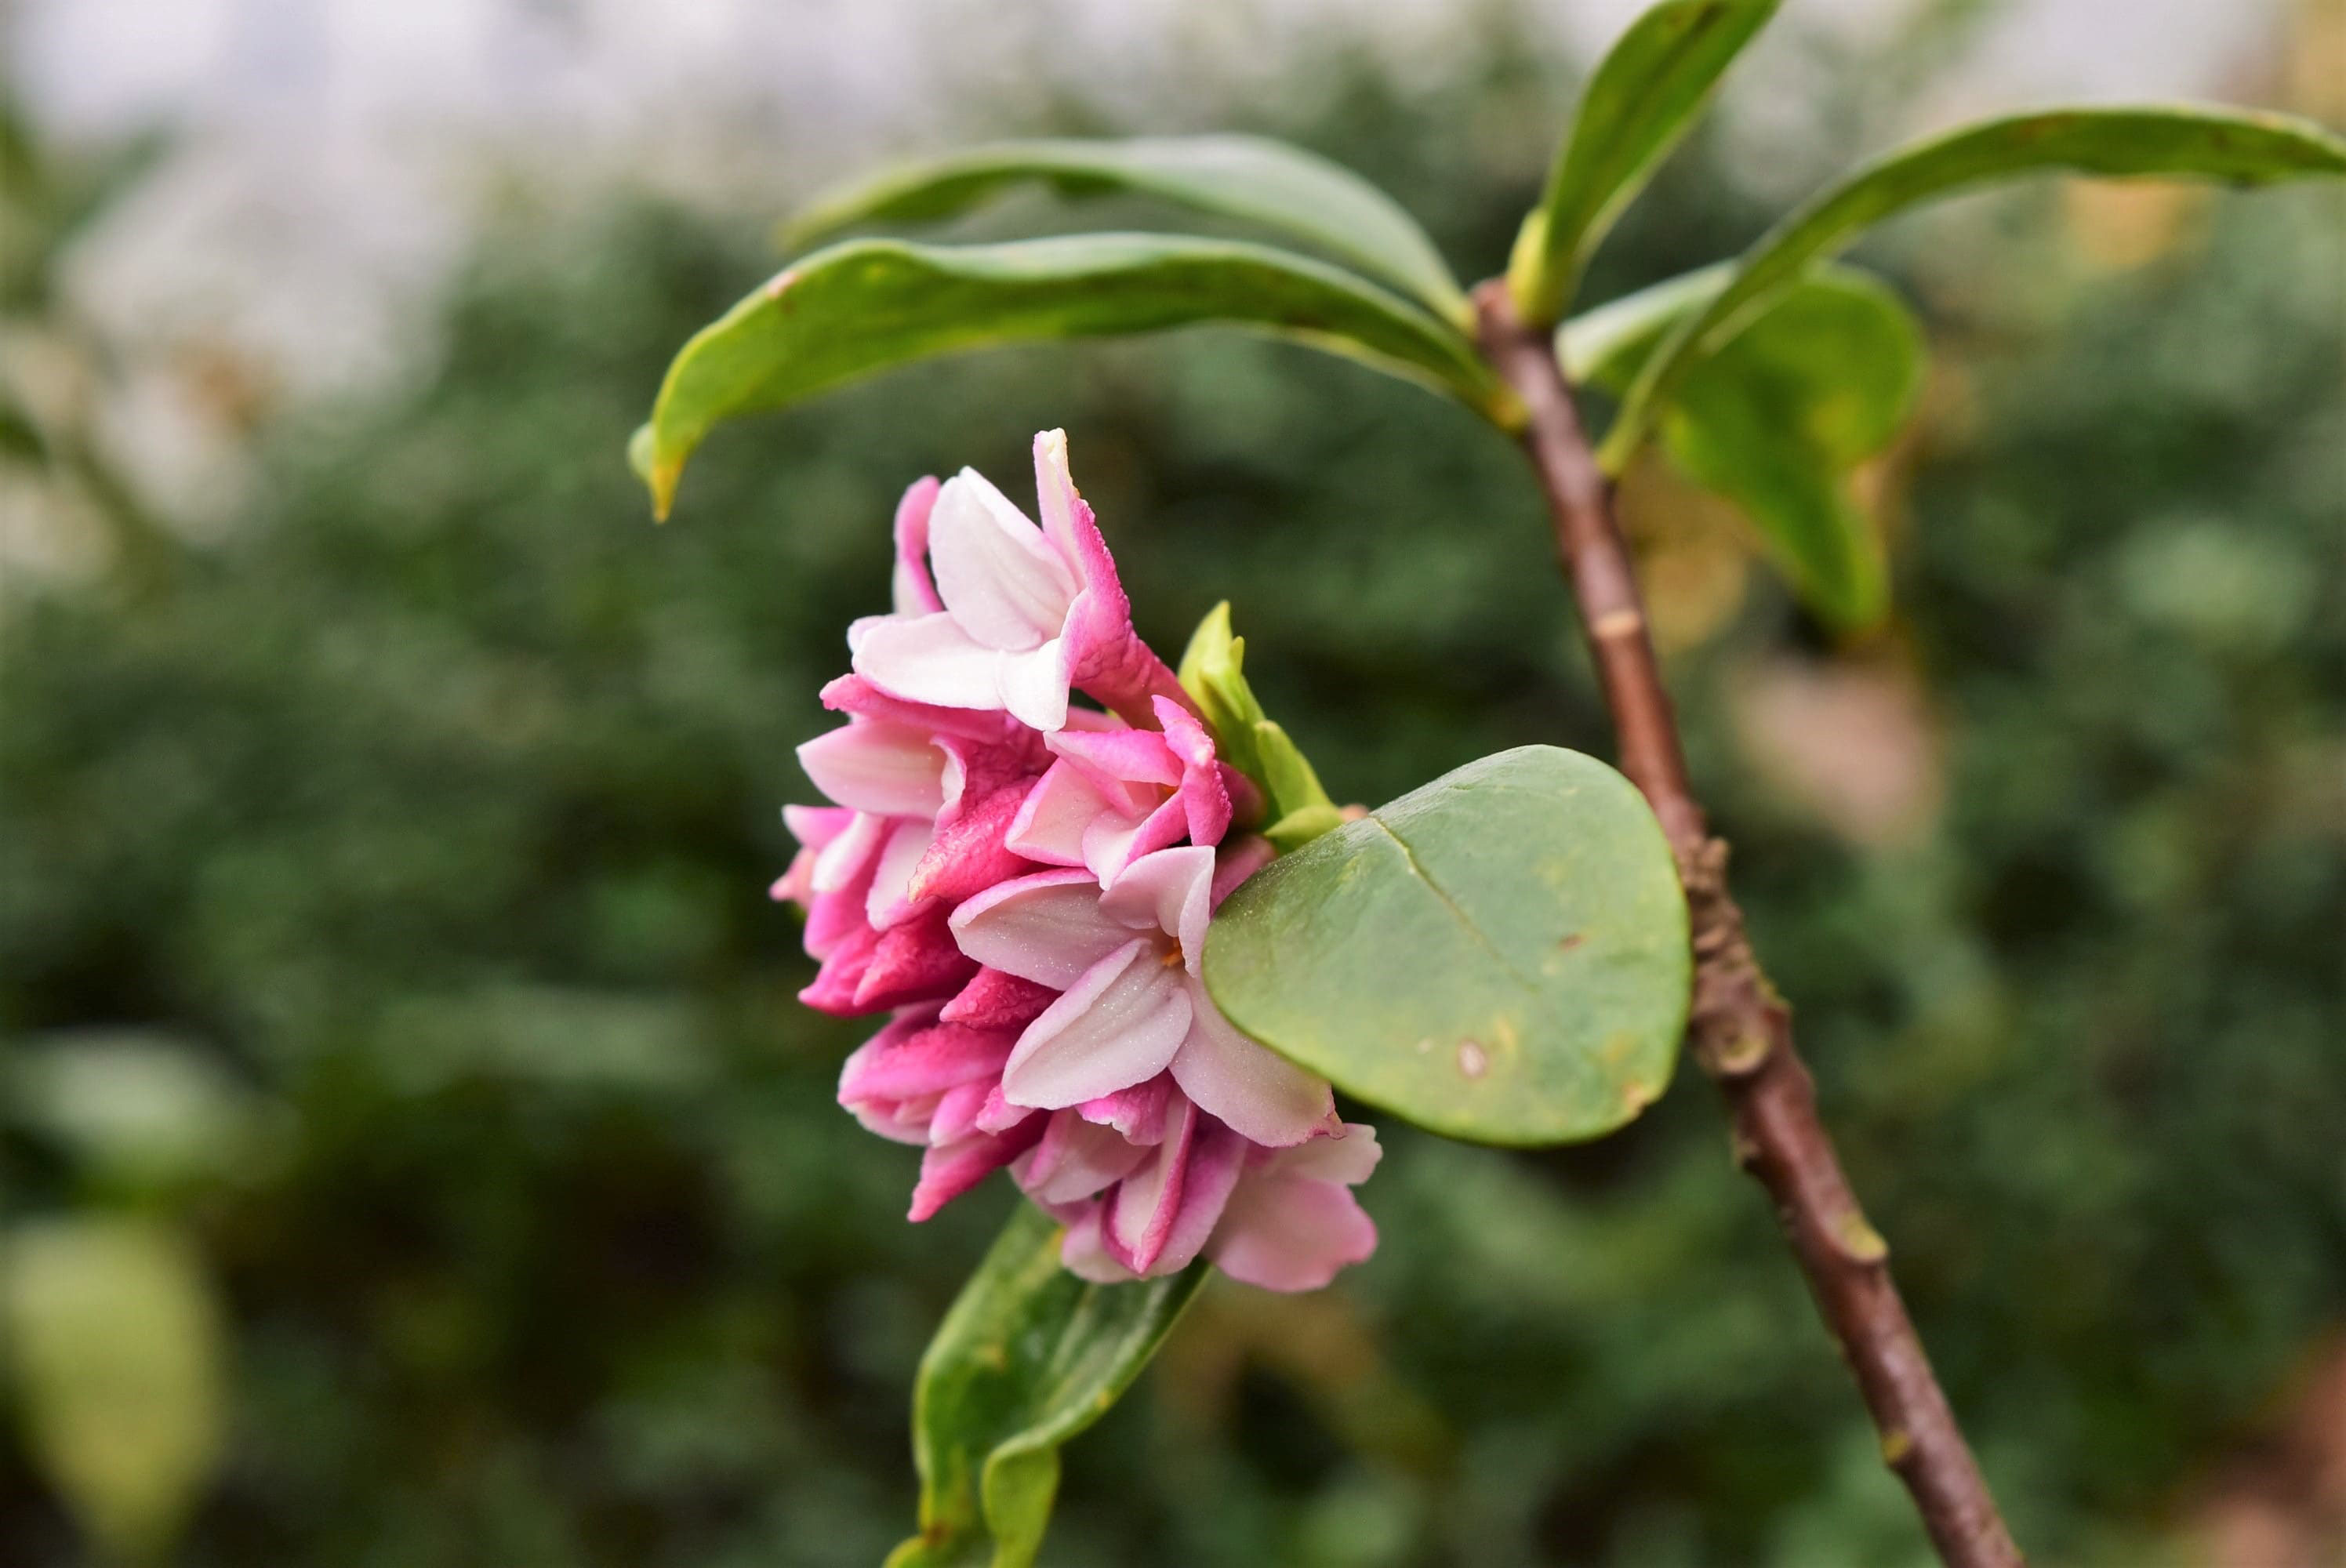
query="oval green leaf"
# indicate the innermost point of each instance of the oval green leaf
(1499, 956)
(1028, 1357)
(1255, 178)
(1640, 102)
(2181, 142)
(871, 304)
(1777, 417)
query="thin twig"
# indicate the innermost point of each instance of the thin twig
(1739, 1029)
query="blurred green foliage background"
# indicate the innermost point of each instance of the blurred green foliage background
(413, 1154)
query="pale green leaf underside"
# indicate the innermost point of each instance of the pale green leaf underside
(1775, 420)
(1642, 100)
(870, 304)
(1029, 1356)
(1499, 956)
(1253, 178)
(2182, 142)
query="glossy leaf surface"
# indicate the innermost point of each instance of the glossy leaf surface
(1641, 100)
(1254, 178)
(1029, 1356)
(2240, 148)
(1500, 955)
(871, 304)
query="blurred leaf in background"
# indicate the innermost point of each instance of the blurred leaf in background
(115, 1351)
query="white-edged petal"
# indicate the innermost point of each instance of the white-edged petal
(874, 765)
(887, 903)
(999, 577)
(1120, 1023)
(1349, 1155)
(1170, 891)
(1262, 1095)
(1046, 928)
(1052, 820)
(926, 659)
(1033, 684)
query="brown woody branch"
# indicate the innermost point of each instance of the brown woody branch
(1739, 1029)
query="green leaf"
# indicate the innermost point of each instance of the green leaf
(1642, 100)
(870, 304)
(1255, 178)
(2191, 143)
(1776, 419)
(1500, 955)
(1028, 1357)
(1213, 672)
(115, 1351)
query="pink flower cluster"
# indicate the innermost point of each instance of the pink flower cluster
(1025, 885)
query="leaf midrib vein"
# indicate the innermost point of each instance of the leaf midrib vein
(1457, 910)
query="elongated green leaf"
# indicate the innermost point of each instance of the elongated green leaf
(1500, 955)
(1641, 100)
(1255, 178)
(1028, 1357)
(870, 304)
(2186, 143)
(1777, 418)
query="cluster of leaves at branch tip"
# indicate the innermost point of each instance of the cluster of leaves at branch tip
(1213, 672)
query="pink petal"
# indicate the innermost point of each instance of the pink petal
(1114, 759)
(1138, 1213)
(1265, 1096)
(955, 1117)
(952, 1169)
(855, 694)
(969, 855)
(848, 857)
(1218, 1158)
(1349, 1156)
(1000, 579)
(835, 986)
(915, 961)
(1204, 799)
(1055, 814)
(1055, 498)
(999, 1115)
(909, 586)
(928, 660)
(1170, 891)
(1083, 1253)
(1137, 1112)
(1045, 928)
(877, 766)
(975, 768)
(917, 1055)
(1113, 843)
(1033, 684)
(1074, 1160)
(1119, 1022)
(815, 826)
(1290, 1234)
(889, 900)
(997, 999)
(898, 1121)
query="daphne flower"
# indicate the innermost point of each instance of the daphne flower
(924, 1081)
(1020, 614)
(1115, 795)
(1133, 1003)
